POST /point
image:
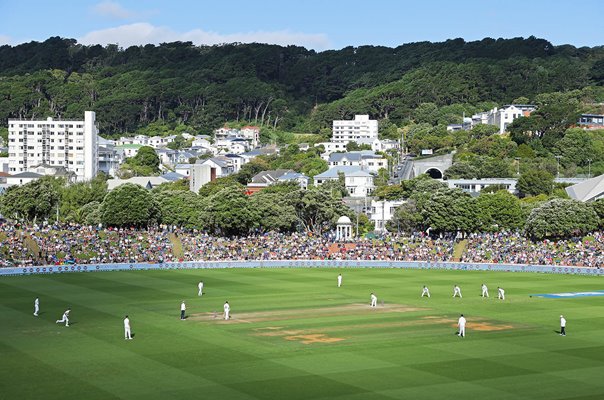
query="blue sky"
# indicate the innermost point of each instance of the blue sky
(317, 24)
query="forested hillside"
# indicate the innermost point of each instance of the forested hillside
(290, 88)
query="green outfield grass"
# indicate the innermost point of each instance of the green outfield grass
(295, 335)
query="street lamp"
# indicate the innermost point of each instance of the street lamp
(558, 166)
(588, 168)
(517, 165)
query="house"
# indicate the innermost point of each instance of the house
(22, 178)
(175, 176)
(291, 176)
(331, 147)
(251, 134)
(222, 166)
(587, 191)
(266, 178)
(382, 211)
(237, 161)
(3, 177)
(474, 186)
(148, 182)
(504, 116)
(54, 171)
(128, 150)
(201, 142)
(385, 145)
(231, 145)
(365, 158)
(183, 169)
(358, 182)
(591, 121)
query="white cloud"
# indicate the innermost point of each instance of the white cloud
(145, 33)
(4, 39)
(112, 9)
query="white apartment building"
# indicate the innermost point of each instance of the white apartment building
(360, 128)
(60, 143)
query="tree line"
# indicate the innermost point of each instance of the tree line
(291, 88)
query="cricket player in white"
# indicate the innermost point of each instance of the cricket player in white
(425, 291)
(500, 293)
(461, 324)
(373, 300)
(227, 310)
(456, 291)
(339, 280)
(183, 309)
(485, 290)
(200, 287)
(65, 317)
(562, 325)
(36, 307)
(127, 334)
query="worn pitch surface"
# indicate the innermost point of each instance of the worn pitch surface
(295, 335)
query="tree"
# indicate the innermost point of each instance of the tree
(144, 163)
(406, 218)
(598, 207)
(391, 192)
(483, 130)
(77, 195)
(335, 187)
(317, 210)
(561, 218)
(179, 207)
(499, 211)
(534, 182)
(249, 170)
(276, 213)
(216, 186)
(33, 201)
(462, 170)
(451, 210)
(354, 146)
(129, 205)
(230, 212)
(91, 213)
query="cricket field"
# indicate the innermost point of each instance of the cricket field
(295, 335)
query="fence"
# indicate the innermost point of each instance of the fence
(52, 269)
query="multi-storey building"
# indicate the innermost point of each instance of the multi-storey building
(360, 129)
(59, 143)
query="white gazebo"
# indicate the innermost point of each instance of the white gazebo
(344, 228)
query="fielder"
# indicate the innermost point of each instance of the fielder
(227, 310)
(36, 307)
(373, 300)
(200, 288)
(485, 290)
(127, 334)
(425, 292)
(65, 317)
(183, 309)
(562, 325)
(456, 291)
(461, 324)
(500, 293)
(340, 280)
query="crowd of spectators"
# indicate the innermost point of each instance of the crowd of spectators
(68, 244)
(514, 248)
